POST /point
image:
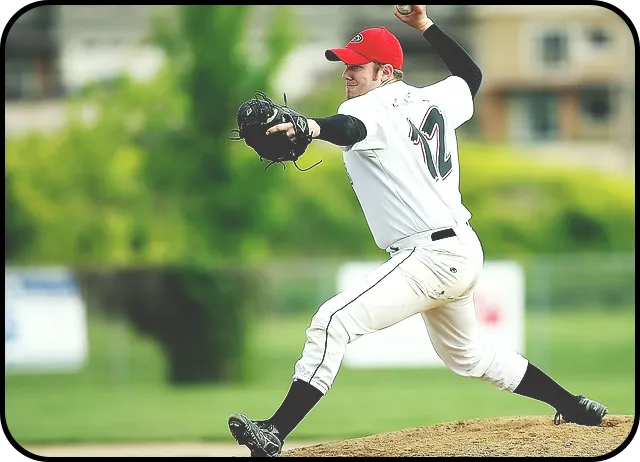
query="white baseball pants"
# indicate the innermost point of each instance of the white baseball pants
(435, 279)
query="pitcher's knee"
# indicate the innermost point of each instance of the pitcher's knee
(320, 320)
(500, 367)
(506, 370)
(327, 327)
(470, 361)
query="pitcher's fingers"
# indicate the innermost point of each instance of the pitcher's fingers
(280, 128)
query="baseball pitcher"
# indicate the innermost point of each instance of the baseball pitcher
(401, 155)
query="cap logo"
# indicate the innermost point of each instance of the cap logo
(357, 39)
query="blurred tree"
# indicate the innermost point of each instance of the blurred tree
(221, 191)
(143, 173)
(19, 226)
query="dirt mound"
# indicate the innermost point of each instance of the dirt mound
(505, 436)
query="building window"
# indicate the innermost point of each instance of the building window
(543, 115)
(31, 79)
(598, 38)
(553, 48)
(595, 103)
(533, 116)
(20, 79)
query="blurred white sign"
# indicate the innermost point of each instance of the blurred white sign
(45, 320)
(499, 303)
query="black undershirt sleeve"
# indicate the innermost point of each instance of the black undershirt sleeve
(454, 57)
(341, 129)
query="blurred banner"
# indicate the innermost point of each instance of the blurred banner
(499, 302)
(45, 320)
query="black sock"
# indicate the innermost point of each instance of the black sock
(538, 385)
(302, 397)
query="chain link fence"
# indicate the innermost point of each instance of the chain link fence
(552, 283)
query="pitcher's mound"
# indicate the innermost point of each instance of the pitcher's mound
(505, 436)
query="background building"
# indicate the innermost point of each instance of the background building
(55, 50)
(559, 80)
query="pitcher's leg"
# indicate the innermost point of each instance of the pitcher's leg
(453, 332)
(386, 296)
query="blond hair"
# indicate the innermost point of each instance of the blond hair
(397, 73)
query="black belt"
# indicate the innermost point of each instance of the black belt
(443, 234)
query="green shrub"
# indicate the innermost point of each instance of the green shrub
(198, 316)
(520, 207)
(524, 206)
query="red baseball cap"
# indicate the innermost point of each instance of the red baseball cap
(376, 44)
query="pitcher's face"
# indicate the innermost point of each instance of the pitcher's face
(360, 79)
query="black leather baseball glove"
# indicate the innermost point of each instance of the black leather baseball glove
(260, 113)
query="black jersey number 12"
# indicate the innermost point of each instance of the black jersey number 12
(433, 127)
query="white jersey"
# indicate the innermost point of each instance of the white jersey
(405, 173)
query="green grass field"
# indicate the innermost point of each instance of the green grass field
(120, 395)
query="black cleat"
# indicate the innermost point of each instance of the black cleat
(586, 412)
(260, 437)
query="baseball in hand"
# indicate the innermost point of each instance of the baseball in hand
(404, 9)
